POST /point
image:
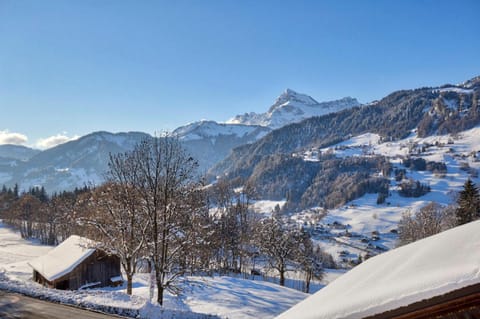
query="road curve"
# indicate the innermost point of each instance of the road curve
(15, 306)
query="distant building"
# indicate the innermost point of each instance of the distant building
(436, 277)
(74, 264)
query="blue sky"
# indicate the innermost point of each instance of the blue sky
(68, 68)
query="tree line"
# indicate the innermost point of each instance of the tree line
(37, 215)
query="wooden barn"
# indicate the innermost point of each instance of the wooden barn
(436, 277)
(74, 265)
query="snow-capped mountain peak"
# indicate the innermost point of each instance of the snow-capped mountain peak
(289, 96)
(292, 107)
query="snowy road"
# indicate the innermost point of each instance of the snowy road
(21, 307)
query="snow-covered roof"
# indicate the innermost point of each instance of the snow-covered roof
(422, 270)
(64, 258)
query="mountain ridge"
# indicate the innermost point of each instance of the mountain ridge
(291, 107)
(17, 152)
(236, 149)
(393, 118)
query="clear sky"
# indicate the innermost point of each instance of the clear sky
(68, 68)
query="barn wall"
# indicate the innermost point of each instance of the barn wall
(99, 267)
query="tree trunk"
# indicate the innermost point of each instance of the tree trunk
(129, 284)
(282, 278)
(308, 278)
(160, 293)
(127, 266)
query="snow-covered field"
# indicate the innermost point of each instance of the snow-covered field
(223, 297)
(267, 207)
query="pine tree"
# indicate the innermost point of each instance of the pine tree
(468, 203)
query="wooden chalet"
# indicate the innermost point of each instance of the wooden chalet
(437, 277)
(74, 264)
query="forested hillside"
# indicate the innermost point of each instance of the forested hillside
(268, 163)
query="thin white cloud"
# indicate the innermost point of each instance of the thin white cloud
(54, 140)
(7, 137)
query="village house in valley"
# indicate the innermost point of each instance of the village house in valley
(436, 277)
(74, 265)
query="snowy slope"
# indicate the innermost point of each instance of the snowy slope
(421, 270)
(292, 107)
(210, 142)
(212, 130)
(364, 217)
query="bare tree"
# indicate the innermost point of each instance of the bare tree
(118, 225)
(61, 207)
(165, 180)
(226, 224)
(429, 220)
(197, 226)
(234, 222)
(309, 257)
(115, 216)
(24, 213)
(248, 222)
(278, 243)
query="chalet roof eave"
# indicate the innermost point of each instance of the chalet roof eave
(451, 302)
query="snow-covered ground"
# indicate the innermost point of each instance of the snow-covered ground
(267, 207)
(373, 225)
(15, 252)
(441, 146)
(219, 296)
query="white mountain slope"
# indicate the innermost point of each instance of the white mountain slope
(291, 107)
(212, 130)
(209, 142)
